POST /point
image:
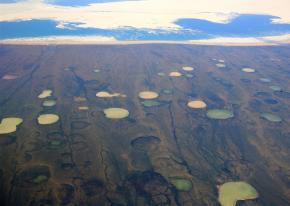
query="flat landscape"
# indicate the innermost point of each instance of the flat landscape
(144, 125)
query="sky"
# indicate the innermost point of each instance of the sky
(174, 20)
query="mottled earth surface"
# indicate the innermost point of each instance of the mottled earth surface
(88, 159)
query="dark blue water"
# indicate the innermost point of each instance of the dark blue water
(246, 25)
(192, 29)
(42, 28)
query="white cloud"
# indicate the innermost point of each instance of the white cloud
(149, 14)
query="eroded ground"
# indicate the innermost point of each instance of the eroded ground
(88, 159)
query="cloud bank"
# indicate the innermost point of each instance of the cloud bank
(171, 20)
(150, 14)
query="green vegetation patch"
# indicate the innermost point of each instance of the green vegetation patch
(40, 179)
(32, 176)
(55, 142)
(150, 103)
(9, 124)
(219, 114)
(116, 113)
(231, 192)
(181, 184)
(271, 117)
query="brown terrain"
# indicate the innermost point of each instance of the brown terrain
(87, 159)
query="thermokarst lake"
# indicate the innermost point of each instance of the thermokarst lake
(153, 124)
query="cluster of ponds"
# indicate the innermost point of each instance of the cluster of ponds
(229, 192)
